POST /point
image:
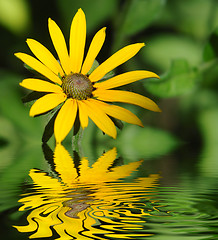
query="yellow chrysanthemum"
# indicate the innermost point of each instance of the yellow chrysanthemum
(72, 85)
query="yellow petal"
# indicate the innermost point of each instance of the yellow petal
(45, 56)
(40, 85)
(100, 118)
(59, 43)
(119, 113)
(47, 103)
(125, 78)
(77, 41)
(65, 119)
(83, 116)
(115, 60)
(64, 165)
(38, 66)
(127, 97)
(93, 51)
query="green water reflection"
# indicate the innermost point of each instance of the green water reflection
(82, 201)
(72, 197)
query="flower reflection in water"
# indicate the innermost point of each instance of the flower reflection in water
(85, 202)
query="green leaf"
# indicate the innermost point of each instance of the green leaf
(32, 96)
(180, 79)
(49, 128)
(97, 12)
(162, 49)
(118, 123)
(48, 155)
(108, 75)
(145, 142)
(211, 48)
(140, 14)
(94, 66)
(29, 68)
(76, 126)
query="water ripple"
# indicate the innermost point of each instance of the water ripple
(102, 202)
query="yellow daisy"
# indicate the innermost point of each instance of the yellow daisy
(72, 86)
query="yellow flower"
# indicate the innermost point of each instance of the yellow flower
(86, 202)
(73, 84)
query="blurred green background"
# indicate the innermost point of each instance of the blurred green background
(181, 46)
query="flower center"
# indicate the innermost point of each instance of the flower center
(78, 86)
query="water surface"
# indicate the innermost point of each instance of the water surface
(65, 196)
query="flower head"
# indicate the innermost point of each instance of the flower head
(75, 87)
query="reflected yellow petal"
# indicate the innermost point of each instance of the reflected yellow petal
(70, 228)
(119, 113)
(99, 170)
(83, 116)
(64, 165)
(45, 221)
(77, 41)
(100, 119)
(84, 167)
(125, 78)
(93, 51)
(104, 162)
(65, 119)
(45, 56)
(98, 197)
(59, 43)
(38, 66)
(40, 85)
(30, 201)
(115, 60)
(47, 103)
(32, 226)
(126, 97)
(123, 171)
(94, 231)
(44, 181)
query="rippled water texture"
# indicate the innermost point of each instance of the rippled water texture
(74, 198)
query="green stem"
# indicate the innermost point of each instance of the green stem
(77, 142)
